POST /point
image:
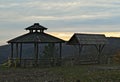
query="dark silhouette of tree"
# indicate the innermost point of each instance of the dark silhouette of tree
(50, 51)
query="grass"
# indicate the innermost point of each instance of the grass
(70, 73)
(88, 74)
(85, 73)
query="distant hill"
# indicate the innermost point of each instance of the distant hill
(67, 50)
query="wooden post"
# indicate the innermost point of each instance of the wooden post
(99, 53)
(60, 50)
(11, 57)
(98, 56)
(37, 47)
(99, 49)
(102, 47)
(60, 59)
(20, 52)
(80, 49)
(17, 50)
(36, 53)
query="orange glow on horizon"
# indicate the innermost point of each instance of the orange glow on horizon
(67, 35)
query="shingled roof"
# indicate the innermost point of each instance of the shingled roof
(87, 39)
(36, 36)
(36, 26)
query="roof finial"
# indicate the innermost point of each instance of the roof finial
(36, 28)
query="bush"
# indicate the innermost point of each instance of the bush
(17, 62)
(117, 57)
(8, 63)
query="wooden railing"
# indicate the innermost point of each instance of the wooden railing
(48, 62)
(43, 62)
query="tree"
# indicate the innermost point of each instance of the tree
(50, 53)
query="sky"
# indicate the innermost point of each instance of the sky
(61, 17)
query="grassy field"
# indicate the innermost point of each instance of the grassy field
(84, 73)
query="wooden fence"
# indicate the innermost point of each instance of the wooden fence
(44, 62)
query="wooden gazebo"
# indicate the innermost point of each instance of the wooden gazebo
(97, 40)
(35, 36)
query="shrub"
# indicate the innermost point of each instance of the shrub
(117, 57)
(17, 62)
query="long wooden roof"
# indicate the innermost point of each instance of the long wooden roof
(87, 39)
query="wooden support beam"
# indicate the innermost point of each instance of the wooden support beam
(99, 55)
(20, 52)
(102, 47)
(99, 49)
(60, 55)
(12, 49)
(96, 46)
(80, 49)
(60, 50)
(36, 53)
(12, 54)
(17, 51)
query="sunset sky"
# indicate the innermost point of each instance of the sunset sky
(61, 17)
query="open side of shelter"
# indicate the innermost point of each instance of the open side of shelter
(97, 40)
(35, 36)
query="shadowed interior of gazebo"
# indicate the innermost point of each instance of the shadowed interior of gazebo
(36, 36)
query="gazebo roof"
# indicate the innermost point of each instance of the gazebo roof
(36, 26)
(87, 39)
(36, 36)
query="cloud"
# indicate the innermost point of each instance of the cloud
(11, 16)
(69, 4)
(59, 10)
(8, 5)
(61, 15)
(72, 17)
